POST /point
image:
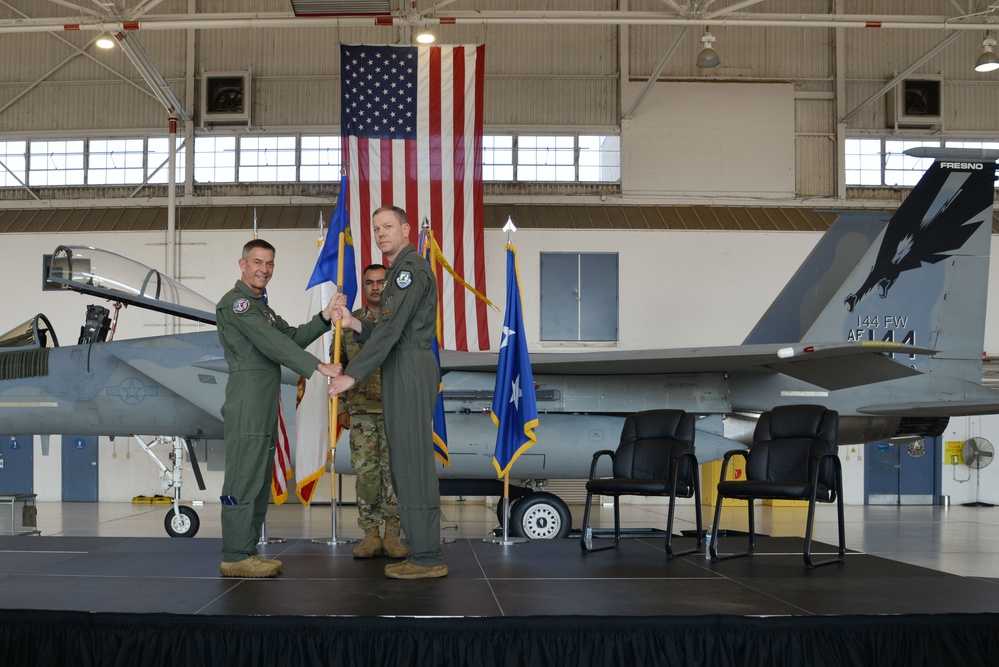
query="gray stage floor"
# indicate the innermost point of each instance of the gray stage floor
(86, 567)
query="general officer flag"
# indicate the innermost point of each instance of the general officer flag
(515, 407)
(412, 133)
(326, 264)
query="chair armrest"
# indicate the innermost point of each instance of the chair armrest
(725, 459)
(816, 460)
(818, 448)
(596, 457)
(677, 459)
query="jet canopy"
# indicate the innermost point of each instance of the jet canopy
(108, 275)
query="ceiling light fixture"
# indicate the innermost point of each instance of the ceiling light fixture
(988, 61)
(425, 36)
(105, 42)
(708, 57)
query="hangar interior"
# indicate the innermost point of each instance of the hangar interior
(601, 133)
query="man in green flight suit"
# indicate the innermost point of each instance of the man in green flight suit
(361, 412)
(400, 343)
(256, 343)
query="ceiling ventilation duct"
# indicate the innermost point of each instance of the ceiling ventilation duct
(340, 7)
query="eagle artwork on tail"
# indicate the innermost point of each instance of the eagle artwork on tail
(931, 224)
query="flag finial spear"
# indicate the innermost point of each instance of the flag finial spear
(509, 228)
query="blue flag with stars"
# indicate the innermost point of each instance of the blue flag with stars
(515, 405)
(326, 265)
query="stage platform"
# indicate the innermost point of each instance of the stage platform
(90, 600)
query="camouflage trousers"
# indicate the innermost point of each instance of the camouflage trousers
(376, 499)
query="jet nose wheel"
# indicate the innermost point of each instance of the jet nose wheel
(540, 516)
(185, 524)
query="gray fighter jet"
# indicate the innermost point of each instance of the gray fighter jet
(883, 322)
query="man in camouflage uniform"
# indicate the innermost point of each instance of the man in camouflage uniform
(256, 343)
(361, 412)
(400, 344)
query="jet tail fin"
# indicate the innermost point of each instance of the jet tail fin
(921, 279)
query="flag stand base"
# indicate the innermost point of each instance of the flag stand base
(504, 538)
(334, 540)
(505, 541)
(268, 540)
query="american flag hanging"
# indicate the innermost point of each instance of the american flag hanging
(412, 132)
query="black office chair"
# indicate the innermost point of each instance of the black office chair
(655, 458)
(793, 457)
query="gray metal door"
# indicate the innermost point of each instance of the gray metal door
(17, 467)
(901, 473)
(79, 468)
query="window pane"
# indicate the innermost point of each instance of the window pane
(215, 159)
(497, 158)
(901, 169)
(56, 163)
(267, 159)
(600, 158)
(158, 160)
(863, 161)
(546, 158)
(115, 161)
(14, 163)
(321, 159)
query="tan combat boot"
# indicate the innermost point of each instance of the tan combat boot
(371, 546)
(392, 545)
(409, 570)
(250, 567)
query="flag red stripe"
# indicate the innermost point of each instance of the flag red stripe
(478, 221)
(413, 188)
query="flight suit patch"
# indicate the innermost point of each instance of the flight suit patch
(240, 306)
(404, 279)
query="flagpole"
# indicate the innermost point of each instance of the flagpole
(505, 539)
(334, 406)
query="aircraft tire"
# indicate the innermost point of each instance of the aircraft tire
(540, 516)
(499, 509)
(186, 525)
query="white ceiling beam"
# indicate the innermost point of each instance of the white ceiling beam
(237, 20)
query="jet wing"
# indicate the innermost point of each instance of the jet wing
(832, 366)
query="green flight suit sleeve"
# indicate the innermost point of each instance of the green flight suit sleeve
(277, 343)
(306, 333)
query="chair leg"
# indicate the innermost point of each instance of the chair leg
(841, 556)
(714, 533)
(670, 554)
(713, 542)
(586, 524)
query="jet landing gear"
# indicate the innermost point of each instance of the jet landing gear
(540, 516)
(180, 520)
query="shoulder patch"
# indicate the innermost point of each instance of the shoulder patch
(404, 279)
(240, 306)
